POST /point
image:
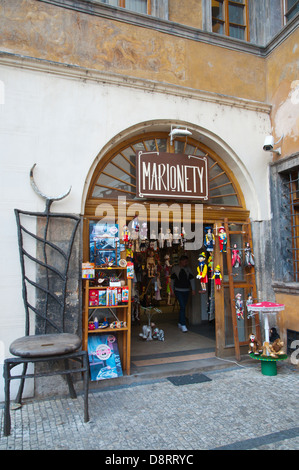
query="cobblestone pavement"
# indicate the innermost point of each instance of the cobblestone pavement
(239, 408)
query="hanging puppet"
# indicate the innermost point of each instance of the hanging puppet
(161, 238)
(239, 306)
(150, 264)
(202, 270)
(209, 240)
(249, 301)
(168, 238)
(222, 239)
(248, 256)
(236, 260)
(125, 234)
(135, 234)
(167, 272)
(183, 237)
(217, 277)
(176, 236)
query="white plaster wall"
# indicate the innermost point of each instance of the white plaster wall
(62, 124)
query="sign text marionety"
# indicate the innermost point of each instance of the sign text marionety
(169, 175)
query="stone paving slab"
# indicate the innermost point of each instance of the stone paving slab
(238, 409)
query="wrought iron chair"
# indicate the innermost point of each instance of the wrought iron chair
(50, 341)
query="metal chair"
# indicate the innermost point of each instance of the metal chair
(50, 341)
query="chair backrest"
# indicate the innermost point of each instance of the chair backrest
(45, 246)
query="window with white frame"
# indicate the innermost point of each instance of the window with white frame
(291, 8)
(140, 6)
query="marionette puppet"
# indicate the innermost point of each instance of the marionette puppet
(167, 272)
(209, 240)
(236, 260)
(217, 277)
(183, 237)
(125, 234)
(176, 236)
(168, 238)
(239, 306)
(158, 287)
(143, 237)
(222, 239)
(248, 256)
(249, 301)
(150, 264)
(161, 238)
(202, 270)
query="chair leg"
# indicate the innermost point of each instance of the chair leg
(6, 373)
(21, 386)
(70, 380)
(85, 386)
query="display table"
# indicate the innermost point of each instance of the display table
(268, 364)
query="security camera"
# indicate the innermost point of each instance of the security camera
(269, 143)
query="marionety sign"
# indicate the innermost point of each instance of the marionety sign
(169, 175)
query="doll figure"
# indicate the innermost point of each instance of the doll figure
(176, 236)
(209, 240)
(168, 238)
(248, 258)
(161, 238)
(222, 239)
(217, 277)
(158, 287)
(239, 306)
(150, 264)
(202, 271)
(236, 260)
(125, 234)
(143, 231)
(167, 272)
(183, 237)
(249, 301)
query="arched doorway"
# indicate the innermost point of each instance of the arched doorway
(115, 176)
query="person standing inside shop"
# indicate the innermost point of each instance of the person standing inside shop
(182, 280)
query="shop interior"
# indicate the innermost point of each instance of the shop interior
(156, 337)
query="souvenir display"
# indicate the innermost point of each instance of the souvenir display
(217, 277)
(209, 240)
(202, 270)
(248, 256)
(236, 260)
(239, 306)
(222, 239)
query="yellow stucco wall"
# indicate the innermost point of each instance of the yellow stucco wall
(48, 32)
(190, 15)
(289, 318)
(282, 73)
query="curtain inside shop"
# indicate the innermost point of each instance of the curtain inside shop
(140, 6)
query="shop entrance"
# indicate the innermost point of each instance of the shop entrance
(157, 339)
(210, 314)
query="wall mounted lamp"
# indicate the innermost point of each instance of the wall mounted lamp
(178, 131)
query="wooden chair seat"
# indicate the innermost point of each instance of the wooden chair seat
(45, 345)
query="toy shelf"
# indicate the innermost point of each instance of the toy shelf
(124, 314)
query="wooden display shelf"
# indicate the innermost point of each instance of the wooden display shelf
(124, 315)
(108, 329)
(106, 306)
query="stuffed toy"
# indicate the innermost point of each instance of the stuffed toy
(254, 346)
